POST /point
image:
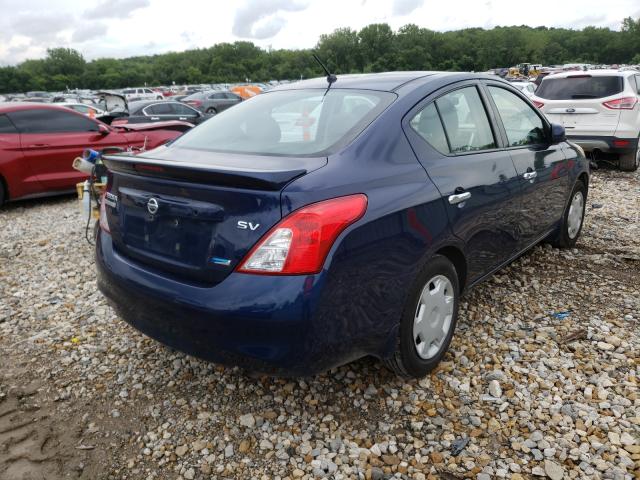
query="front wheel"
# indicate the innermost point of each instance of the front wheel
(211, 111)
(573, 218)
(428, 321)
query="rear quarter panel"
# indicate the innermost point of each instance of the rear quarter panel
(373, 264)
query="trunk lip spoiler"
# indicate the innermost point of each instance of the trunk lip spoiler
(269, 179)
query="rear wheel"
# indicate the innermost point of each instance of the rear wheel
(573, 218)
(428, 321)
(629, 162)
(2, 192)
(211, 111)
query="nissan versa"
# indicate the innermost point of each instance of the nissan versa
(328, 220)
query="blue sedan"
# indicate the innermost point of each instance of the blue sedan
(325, 221)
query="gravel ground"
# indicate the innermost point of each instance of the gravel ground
(541, 379)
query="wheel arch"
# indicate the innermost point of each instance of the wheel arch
(459, 261)
(5, 188)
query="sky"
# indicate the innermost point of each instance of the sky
(124, 28)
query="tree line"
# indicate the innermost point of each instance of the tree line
(376, 47)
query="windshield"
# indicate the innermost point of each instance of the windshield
(578, 87)
(289, 122)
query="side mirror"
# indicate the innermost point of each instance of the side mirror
(558, 133)
(103, 129)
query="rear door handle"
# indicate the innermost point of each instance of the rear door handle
(530, 175)
(39, 145)
(459, 197)
(155, 118)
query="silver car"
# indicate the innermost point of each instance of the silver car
(212, 102)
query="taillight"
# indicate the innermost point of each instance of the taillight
(626, 103)
(538, 104)
(195, 103)
(300, 242)
(104, 223)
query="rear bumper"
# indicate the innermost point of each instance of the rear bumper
(605, 143)
(268, 324)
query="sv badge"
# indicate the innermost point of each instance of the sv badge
(244, 225)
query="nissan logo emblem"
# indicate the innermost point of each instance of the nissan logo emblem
(152, 206)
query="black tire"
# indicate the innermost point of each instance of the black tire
(2, 192)
(563, 239)
(629, 162)
(405, 360)
(211, 111)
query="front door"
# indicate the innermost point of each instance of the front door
(453, 139)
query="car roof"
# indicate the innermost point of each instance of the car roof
(592, 73)
(385, 81)
(17, 106)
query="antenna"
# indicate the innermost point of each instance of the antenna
(330, 76)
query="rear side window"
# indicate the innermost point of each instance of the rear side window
(427, 124)
(6, 126)
(578, 87)
(51, 121)
(637, 79)
(159, 109)
(523, 125)
(465, 121)
(289, 122)
(179, 109)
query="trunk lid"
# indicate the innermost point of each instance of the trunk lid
(583, 117)
(192, 214)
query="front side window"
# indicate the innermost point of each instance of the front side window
(465, 121)
(427, 124)
(51, 121)
(289, 122)
(523, 125)
(6, 126)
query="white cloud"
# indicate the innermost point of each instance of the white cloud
(405, 7)
(120, 28)
(88, 31)
(248, 18)
(115, 8)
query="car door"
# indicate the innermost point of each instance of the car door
(52, 138)
(454, 139)
(159, 112)
(14, 169)
(542, 167)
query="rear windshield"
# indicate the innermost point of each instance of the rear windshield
(290, 122)
(579, 87)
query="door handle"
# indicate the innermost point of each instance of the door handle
(155, 118)
(183, 118)
(530, 176)
(459, 197)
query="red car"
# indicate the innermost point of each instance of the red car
(38, 143)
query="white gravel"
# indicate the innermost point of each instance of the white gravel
(541, 379)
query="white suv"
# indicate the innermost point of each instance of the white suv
(133, 94)
(600, 110)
